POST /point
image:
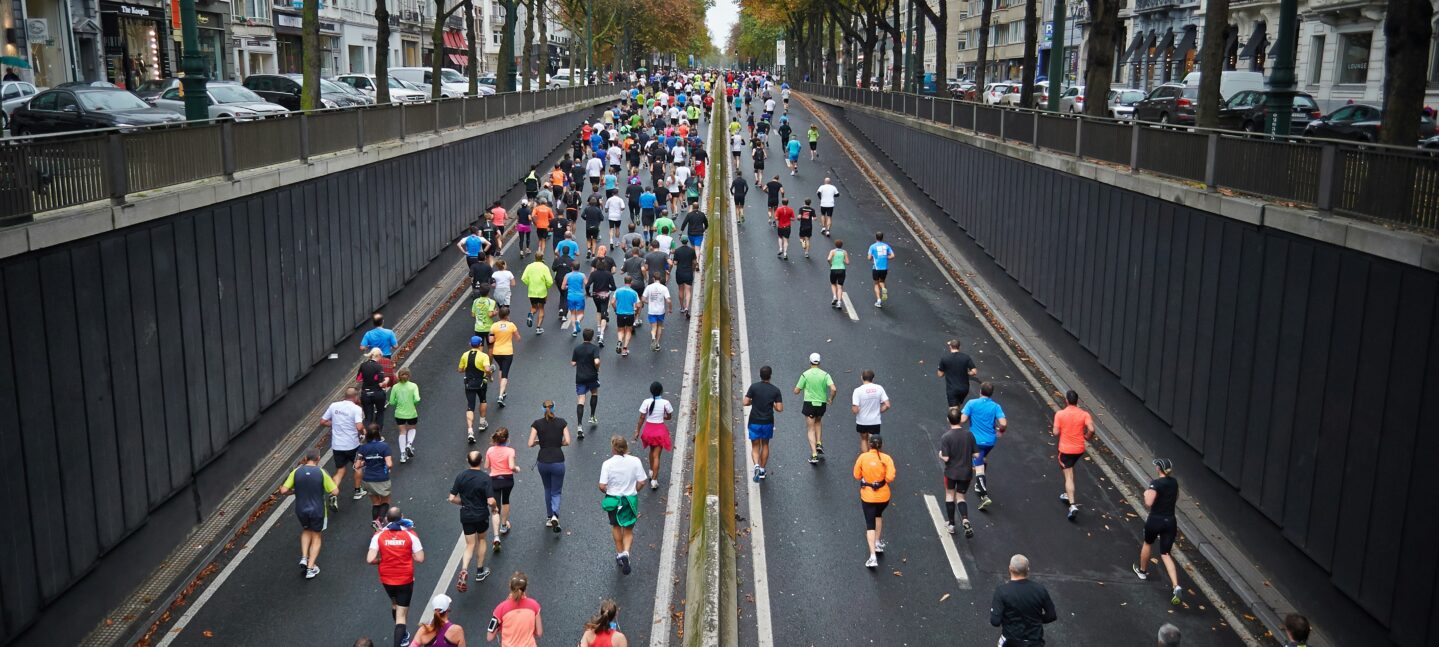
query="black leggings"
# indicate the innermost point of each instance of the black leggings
(872, 511)
(524, 239)
(373, 403)
(500, 487)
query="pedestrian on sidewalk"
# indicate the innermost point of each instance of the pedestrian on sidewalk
(1021, 607)
(440, 632)
(516, 621)
(502, 463)
(874, 470)
(374, 380)
(1072, 425)
(310, 485)
(652, 429)
(879, 255)
(764, 400)
(1161, 497)
(867, 403)
(602, 630)
(347, 430)
(552, 435)
(957, 452)
(838, 260)
(472, 493)
(621, 476)
(818, 390)
(395, 549)
(987, 423)
(374, 458)
(404, 397)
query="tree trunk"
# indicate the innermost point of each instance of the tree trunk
(505, 67)
(437, 48)
(1099, 63)
(1031, 54)
(941, 47)
(472, 65)
(1407, 32)
(986, 15)
(529, 58)
(1211, 62)
(310, 56)
(382, 53)
(866, 68)
(544, 51)
(896, 79)
(920, 35)
(831, 66)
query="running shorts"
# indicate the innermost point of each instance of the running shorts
(591, 233)
(836, 277)
(826, 211)
(1163, 528)
(602, 306)
(504, 362)
(961, 486)
(872, 512)
(542, 233)
(806, 227)
(813, 145)
(697, 241)
(473, 396)
(575, 304)
(378, 488)
(761, 431)
(1067, 461)
(400, 594)
(983, 451)
(314, 523)
(813, 409)
(793, 159)
(656, 319)
(538, 301)
(500, 488)
(739, 201)
(684, 278)
(772, 203)
(758, 166)
(879, 275)
(582, 388)
(783, 232)
(407, 421)
(475, 527)
(956, 397)
(867, 429)
(625, 321)
(344, 458)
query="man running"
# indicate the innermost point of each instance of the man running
(736, 143)
(757, 155)
(695, 224)
(347, 428)
(957, 368)
(310, 485)
(867, 403)
(503, 338)
(774, 191)
(818, 390)
(957, 452)
(1021, 608)
(879, 254)
(738, 189)
(1161, 497)
(475, 365)
(601, 286)
(586, 360)
(806, 225)
(685, 261)
(987, 423)
(594, 217)
(471, 491)
(396, 549)
(574, 283)
(625, 302)
(764, 400)
(537, 278)
(657, 303)
(615, 208)
(1072, 425)
(792, 149)
(827, 193)
(783, 219)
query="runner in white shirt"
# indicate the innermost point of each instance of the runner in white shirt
(827, 193)
(769, 106)
(504, 280)
(346, 421)
(678, 154)
(615, 208)
(594, 168)
(736, 146)
(614, 156)
(657, 303)
(651, 428)
(621, 476)
(867, 402)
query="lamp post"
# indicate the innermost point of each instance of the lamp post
(1056, 56)
(1282, 82)
(197, 104)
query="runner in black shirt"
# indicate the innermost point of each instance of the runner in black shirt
(775, 191)
(686, 261)
(471, 492)
(956, 368)
(586, 360)
(1020, 607)
(601, 285)
(739, 188)
(594, 217)
(957, 451)
(764, 400)
(1160, 498)
(806, 225)
(757, 154)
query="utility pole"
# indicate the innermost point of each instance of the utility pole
(1056, 56)
(1282, 81)
(197, 104)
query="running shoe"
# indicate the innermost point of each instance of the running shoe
(481, 573)
(575, 332)
(497, 544)
(819, 448)
(814, 459)
(884, 293)
(625, 568)
(530, 320)
(1073, 512)
(968, 530)
(600, 342)
(582, 433)
(484, 424)
(1064, 497)
(949, 527)
(871, 563)
(359, 493)
(1175, 600)
(877, 304)
(501, 401)
(462, 582)
(539, 331)
(619, 350)
(404, 456)
(654, 484)
(594, 422)
(505, 528)
(1143, 575)
(984, 502)
(879, 547)
(779, 254)
(304, 562)
(556, 524)
(549, 521)
(412, 450)
(405, 642)
(311, 572)
(763, 473)
(784, 257)
(334, 502)
(756, 476)
(471, 437)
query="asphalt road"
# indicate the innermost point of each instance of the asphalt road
(266, 601)
(819, 591)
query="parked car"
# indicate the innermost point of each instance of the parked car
(226, 101)
(1246, 110)
(152, 89)
(1358, 122)
(1041, 94)
(1231, 82)
(1011, 94)
(86, 84)
(1122, 101)
(962, 90)
(452, 83)
(1171, 103)
(351, 90)
(80, 108)
(13, 94)
(400, 92)
(284, 89)
(1072, 100)
(995, 92)
(556, 81)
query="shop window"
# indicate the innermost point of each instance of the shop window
(1316, 58)
(1354, 57)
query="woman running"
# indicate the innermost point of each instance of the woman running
(651, 428)
(500, 458)
(404, 396)
(838, 262)
(602, 630)
(516, 621)
(373, 461)
(552, 435)
(522, 225)
(621, 477)
(874, 470)
(440, 632)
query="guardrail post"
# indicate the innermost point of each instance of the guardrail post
(465, 110)
(485, 114)
(973, 117)
(1001, 124)
(1324, 201)
(1134, 146)
(360, 130)
(402, 121)
(115, 168)
(951, 112)
(435, 106)
(1035, 135)
(1211, 160)
(1079, 137)
(227, 149)
(305, 137)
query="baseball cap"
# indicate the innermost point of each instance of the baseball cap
(814, 358)
(440, 603)
(475, 340)
(1165, 465)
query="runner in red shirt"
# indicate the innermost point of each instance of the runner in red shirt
(396, 549)
(1072, 425)
(783, 218)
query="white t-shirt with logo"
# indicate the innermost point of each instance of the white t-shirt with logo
(868, 397)
(343, 417)
(656, 298)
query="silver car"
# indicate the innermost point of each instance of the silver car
(227, 101)
(1072, 101)
(14, 94)
(1122, 100)
(400, 92)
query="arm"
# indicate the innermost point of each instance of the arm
(565, 437)
(1047, 613)
(1149, 496)
(884, 406)
(1089, 428)
(454, 498)
(456, 636)
(540, 625)
(1000, 426)
(639, 424)
(1054, 428)
(832, 391)
(534, 438)
(373, 557)
(996, 609)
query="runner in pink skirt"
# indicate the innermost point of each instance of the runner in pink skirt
(652, 428)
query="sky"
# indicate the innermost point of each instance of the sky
(719, 18)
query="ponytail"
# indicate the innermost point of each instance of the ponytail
(518, 583)
(438, 623)
(549, 406)
(605, 618)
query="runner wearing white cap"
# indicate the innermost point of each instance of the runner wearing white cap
(817, 389)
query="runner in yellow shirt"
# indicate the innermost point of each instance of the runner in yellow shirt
(537, 279)
(503, 337)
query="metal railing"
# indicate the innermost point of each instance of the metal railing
(1393, 184)
(48, 172)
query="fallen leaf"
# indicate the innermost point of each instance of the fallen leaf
(207, 633)
(944, 597)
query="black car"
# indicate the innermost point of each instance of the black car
(1246, 110)
(1358, 122)
(1171, 103)
(152, 89)
(284, 89)
(78, 108)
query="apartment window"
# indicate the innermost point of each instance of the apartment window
(1354, 57)
(1316, 58)
(962, 44)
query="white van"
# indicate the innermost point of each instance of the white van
(1231, 82)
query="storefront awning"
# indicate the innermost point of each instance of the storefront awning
(1164, 45)
(1255, 42)
(456, 48)
(1133, 47)
(1149, 50)
(1186, 42)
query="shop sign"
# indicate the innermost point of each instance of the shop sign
(37, 30)
(135, 10)
(260, 45)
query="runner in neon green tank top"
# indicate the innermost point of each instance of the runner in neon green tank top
(838, 262)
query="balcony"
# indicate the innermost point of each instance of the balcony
(1331, 12)
(1148, 6)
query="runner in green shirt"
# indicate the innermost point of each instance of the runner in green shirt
(537, 279)
(838, 262)
(483, 310)
(813, 142)
(817, 389)
(404, 395)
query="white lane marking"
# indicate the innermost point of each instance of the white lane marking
(763, 622)
(660, 622)
(849, 307)
(945, 539)
(450, 567)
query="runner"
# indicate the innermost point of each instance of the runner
(631, 240)
(543, 217)
(586, 360)
(1160, 497)
(1072, 425)
(473, 246)
(957, 369)
(818, 390)
(1020, 607)
(783, 219)
(813, 142)
(784, 130)
(686, 262)
(476, 366)
(987, 423)
(504, 335)
(806, 225)
(652, 429)
(736, 143)
(957, 452)
(471, 491)
(827, 193)
(594, 217)
(738, 189)
(695, 224)
(374, 458)
(874, 470)
(552, 435)
(774, 192)
(792, 149)
(601, 286)
(482, 275)
(404, 396)
(602, 630)
(648, 200)
(516, 621)
(347, 429)
(310, 485)
(395, 549)
(764, 400)
(574, 283)
(379, 337)
(440, 632)
(838, 260)
(867, 403)
(500, 458)
(757, 155)
(621, 476)
(657, 304)
(537, 278)
(532, 183)
(497, 224)
(625, 300)
(879, 255)
(633, 191)
(504, 281)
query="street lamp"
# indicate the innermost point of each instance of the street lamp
(1056, 56)
(1282, 82)
(193, 64)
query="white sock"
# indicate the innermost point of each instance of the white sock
(402, 442)
(411, 435)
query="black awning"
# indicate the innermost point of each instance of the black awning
(1149, 45)
(1133, 47)
(1165, 44)
(1256, 40)
(1186, 42)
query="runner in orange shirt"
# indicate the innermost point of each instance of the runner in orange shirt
(543, 217)
(1072, 425)
(874, 470)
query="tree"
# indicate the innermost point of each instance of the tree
(940, 21)
(1031, 53)
(382, 53)
(505, 72)
(1099, 65)
(437, 44)
(544, 52)
(310, 55)
(1407, 33)
(529, 57)
(472, 66)
(986, 16)
(1211, 62)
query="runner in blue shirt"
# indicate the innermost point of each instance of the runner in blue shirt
(379, 337)
(986, 422)
(879, 254)
(575, 297)
(567, 247)
(596, 141)
(625, 300)
(473, 246)
(792, 153)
